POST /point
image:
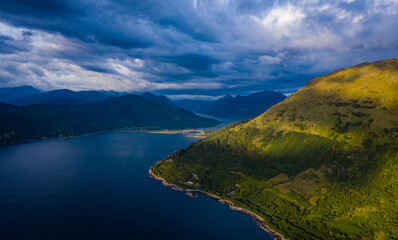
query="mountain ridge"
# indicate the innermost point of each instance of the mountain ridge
(62, 96)
(8, 94)
(238, 107)
(157, 98)
(320, 164)
(130, 111)
(6, 107)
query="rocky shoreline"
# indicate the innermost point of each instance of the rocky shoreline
(260, 221)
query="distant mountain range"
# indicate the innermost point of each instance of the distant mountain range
(8, 94)
(198, 106)
(239, 107)
(157, 98)
(134, 112)
(64, 97)
(29, 114)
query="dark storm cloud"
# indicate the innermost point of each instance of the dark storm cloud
(5, 46)
(179, 15)
(195, 61)
(40, 8)
(97, 68)
(37, 71)
(87, 21)
(204, 47)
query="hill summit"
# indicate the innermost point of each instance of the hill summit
(319, 165)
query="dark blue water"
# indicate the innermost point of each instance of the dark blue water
(97, 187)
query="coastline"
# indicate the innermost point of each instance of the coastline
(260, 221)
(190, 133)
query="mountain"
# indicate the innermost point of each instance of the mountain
(193, 105)
(239, 107)
(64, 101)
(322, 164)
(8, 94)
(127, 112)
(6, 107)
(65, 97)
(157, 98)
(244, 106)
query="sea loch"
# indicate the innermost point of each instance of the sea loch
(97, 187)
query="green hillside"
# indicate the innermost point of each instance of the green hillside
(127, 112)
(322, 164)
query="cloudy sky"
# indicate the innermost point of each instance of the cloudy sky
(206, 48)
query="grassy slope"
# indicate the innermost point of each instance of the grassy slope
(321, 164)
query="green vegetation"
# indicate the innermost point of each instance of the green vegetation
(321, 164)
(6, 107)
(127, 112)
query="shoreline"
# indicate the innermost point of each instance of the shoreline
(189, 133)
(260, 221)
(193, 133)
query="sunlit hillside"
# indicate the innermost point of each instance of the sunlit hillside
(320, 165)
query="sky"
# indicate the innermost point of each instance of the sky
(189, 48)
